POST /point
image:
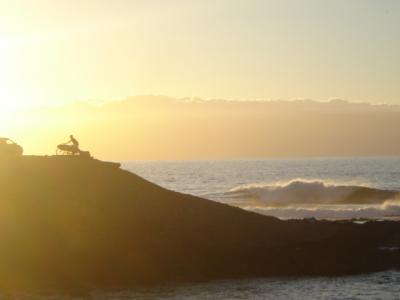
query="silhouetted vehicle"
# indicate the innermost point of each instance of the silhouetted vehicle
(71, 148)
(9, 148)
(64, 149)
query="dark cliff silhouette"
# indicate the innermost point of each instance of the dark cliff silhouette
(68, 222)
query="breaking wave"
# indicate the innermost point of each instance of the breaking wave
(301, 198)
(300, 191)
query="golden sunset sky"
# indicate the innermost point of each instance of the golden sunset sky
(55, 52)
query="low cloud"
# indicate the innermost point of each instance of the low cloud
(160, 127)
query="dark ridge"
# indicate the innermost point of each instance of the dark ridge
(72, 223)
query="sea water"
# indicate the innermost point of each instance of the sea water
(384, 285)
(335, 188)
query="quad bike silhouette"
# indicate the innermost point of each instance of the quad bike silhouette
(9, 148)
(64, 149)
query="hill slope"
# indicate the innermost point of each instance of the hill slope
(67, 222)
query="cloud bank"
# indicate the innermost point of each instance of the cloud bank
(159, 127)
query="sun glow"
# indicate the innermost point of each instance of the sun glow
(8, 93)
(14, 91)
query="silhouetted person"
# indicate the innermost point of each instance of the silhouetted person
(74, 142)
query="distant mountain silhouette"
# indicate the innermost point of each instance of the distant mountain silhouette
(153, 127)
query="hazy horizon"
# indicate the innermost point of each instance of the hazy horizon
(152, 127)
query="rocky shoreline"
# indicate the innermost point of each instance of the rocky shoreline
(73, 223)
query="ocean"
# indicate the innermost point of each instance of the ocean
(334, 188)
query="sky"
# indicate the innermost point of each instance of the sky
(58, 52)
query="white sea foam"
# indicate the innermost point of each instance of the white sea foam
(386, 210)
(300, 198)
(301, 191)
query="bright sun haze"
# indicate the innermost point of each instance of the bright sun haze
(53, 53)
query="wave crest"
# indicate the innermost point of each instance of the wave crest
(300, 191)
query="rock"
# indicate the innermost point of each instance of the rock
(75, 224)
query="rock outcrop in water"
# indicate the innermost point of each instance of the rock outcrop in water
(73, 223)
